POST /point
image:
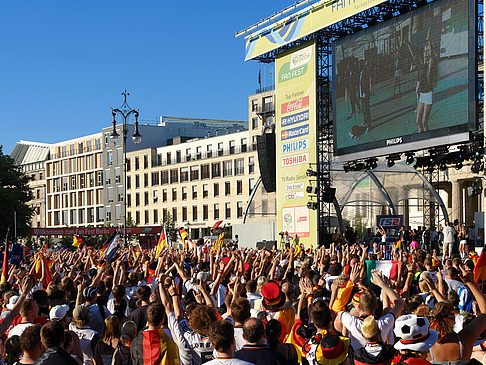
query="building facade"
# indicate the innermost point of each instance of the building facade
(31, 157)
(74, 183)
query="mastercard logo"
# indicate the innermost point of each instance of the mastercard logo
(285, 134)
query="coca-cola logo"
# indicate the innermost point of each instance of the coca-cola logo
(295, 105)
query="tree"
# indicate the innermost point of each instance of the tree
(170, 227)
(14, 195)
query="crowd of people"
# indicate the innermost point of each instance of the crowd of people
(243, 306)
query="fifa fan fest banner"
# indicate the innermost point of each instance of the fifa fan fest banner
(302, 23)
(84, 231)
(295, 84)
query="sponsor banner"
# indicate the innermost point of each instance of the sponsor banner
(296, 148)
(295, 118)
(295, 160)
(296, 186)
(304, 22)
(297, 220)
(295, 105)
(294, 195)
(389, 221)
(92, 231)
(295, 132)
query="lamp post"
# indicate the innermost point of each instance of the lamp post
(125, 112)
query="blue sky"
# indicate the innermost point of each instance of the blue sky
(64, 63)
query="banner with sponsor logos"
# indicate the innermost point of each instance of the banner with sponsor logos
(92, 231)
(296, 140)
(307, 21)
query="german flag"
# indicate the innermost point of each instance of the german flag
(4, 269)
(155, 347)
(184, 235)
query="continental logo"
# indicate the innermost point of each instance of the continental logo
(295, 105)
(295, 132)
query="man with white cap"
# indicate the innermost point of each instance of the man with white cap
(59, 312)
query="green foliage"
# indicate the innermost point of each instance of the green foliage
(14, 195)
(359, 227)
(170, 227)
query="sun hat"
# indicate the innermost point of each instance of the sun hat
(273, 296)
(333, 350)
(12, 301)
(58, 312)
(414, 333)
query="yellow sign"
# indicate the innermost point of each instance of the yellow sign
(302, 23)
(295, 84)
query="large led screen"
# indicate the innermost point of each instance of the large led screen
(407, 83)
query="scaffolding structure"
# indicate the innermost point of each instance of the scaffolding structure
(324, 39)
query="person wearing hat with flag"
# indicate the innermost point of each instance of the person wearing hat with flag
(414, 340)
(273, 301)
(334, 350)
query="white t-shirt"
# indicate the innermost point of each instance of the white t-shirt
(448, 234)
(231, 361)
(353, 325)
(201, 347)
(239, 340)
(19, 329)
(178, 337)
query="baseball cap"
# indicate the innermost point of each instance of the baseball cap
(12, 301)
(58, 312)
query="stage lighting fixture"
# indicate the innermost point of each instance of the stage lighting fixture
(347, 167)
(312, 205)
(310, 173)
(371, 163)
(390, 163)
(410, 159)
(359, 166)
(443, 167)
(311, 190)
(430, 169)
(458, 165)
(476, 166)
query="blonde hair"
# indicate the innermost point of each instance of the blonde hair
(370, 329)
(260, 282)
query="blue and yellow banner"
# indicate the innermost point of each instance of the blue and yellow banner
(302, 23)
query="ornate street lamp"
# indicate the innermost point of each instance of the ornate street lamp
(125, 112)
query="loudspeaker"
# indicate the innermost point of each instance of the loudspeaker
(328, 195)
(266, 244)
(266, 160)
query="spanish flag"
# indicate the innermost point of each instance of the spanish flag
(218, 243)
(42, 262)
(4, 269)
(77, 240)
(156, 348)
(399, 243)
(184, 235)
(162, 242)
(480, 268)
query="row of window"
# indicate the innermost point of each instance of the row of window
(179, 157)
(196, 214)
(193, 173)
(77, 148)
(75, 216)
(184, 194)
(73, 182)
(75, 199)
(75, 164)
